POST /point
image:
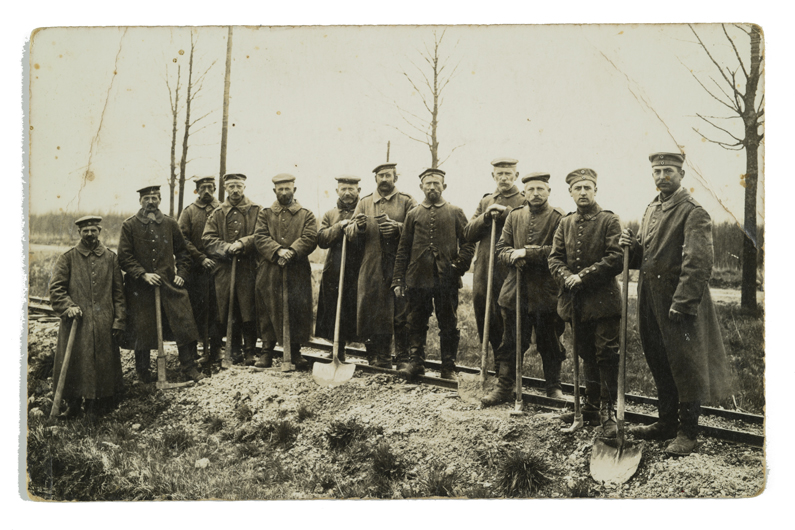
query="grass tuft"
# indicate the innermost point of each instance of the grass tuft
(340, 434)
(177, 440)
(438, 481)
(521, 474)
(213, 424)
(244, 412)
(304, 413)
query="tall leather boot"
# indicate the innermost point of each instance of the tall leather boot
(187, 356)
(416, 365)
(552, 377)
(607, 413)
(402, 347)
(249, 342)
(297, 359)
(142, 361)
(503, 391)
(686, 440)
(666, 427)
(265, 360)
(448, 344)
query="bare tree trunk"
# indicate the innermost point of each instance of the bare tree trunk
(435, 112)
(172, 182)
(184, 161)
(225, 126)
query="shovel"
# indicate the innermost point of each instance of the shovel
(578, 423)
(467, 384)
(162, 383)
(287, 361)
(56, 402)
(616, 459)
(337, 372)
(226, 361)
(518, 409)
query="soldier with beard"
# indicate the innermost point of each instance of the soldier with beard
(378, 223)
(285, 235)
(330, 236)
(200, 284)
(229, 235)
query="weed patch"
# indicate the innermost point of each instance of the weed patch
(521, 474)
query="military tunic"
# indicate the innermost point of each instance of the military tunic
(91, 280)
(377, 310)
(280, 227)
(674, 253)
(155, 246)
(226, 225)
(478, 230)
(330, 236)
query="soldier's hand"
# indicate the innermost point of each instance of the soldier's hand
(178, 281)
(208, 264)
(118, 334)
(626, 238)
(361, 220)
(495, 211)
(283, 252)
(573, 282)
(281, 262)
(389, 228)
(400, 291)
(152, 278)
(676, 316)
(73, 312)
(517, 254)
(344, 223)
(236, 248)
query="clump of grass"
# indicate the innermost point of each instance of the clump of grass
(244, 413)
(213, 424)
(248, 450)
(385, 462)
(284, 433)
(581, 489)
(177, 440)
(479, 491)
(304, 413)
(340, 434)
(438, 481)
(521, 474)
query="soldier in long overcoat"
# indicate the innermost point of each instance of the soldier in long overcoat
(584, 261)
(285, 235)
(229, 235)
(378, 224)
(330, 236)
(524, 246)
(678, 326)
(492, 208)
(87, 285)
(200, 283)
(151, 247)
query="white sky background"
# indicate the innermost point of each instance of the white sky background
(318, 102)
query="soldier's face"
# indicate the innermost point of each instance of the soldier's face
(536, 192)
(234, 189)
(433, 186)
(504, 177)
(90, 235)
(348, 193)
(385, 180)
(583, 193)
(284, 192)
(151, 202)
(206, 192)
(667, 178)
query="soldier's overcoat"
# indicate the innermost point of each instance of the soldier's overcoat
(478, 230)
(330, 236)
(587, 244)
(200, 280)
(91, 280)
(375, 300)
(530, 229)
(226, 225)
(281, 227)
(674, 253)
(155, 246)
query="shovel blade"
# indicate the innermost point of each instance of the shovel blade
(613, 462)
(471, 387)
(332, 374)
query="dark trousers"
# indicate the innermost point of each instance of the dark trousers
(203, 303)
(548, 327)
(380, 345)
(597, 344)
(443, 300)
(187, 358)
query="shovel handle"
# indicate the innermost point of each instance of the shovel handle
(518, 404)
(336, 349)
(161, 352)
(56, 402)
(230, 312)
(287, 363)
(622, 349)
(484, 347)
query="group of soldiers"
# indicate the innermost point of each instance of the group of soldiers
(404, 260)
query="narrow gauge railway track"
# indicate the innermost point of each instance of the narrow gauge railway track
(40, 306)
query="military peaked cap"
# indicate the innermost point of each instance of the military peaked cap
(388, 165)
(88, 220)
(581, 174)
(148, 190)
(283, 177)
(431, 171)
(667, 159)
(347, 179)
(200, 181)
(504, 162)
(543, 177)
(234, 176)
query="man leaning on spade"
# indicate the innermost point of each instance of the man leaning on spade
(678, 325)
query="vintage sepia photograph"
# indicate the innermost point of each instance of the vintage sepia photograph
(395, 262)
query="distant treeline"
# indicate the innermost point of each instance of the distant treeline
(59, 229)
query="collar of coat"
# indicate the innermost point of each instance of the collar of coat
(341, 206)
(538, 211)
(590, 213)
(293, 208)
(426, 204)
(141, 216)
(85, 251)
(380, 198)
(244, 204)
(209, 207)
(676, 198)
(507, 194)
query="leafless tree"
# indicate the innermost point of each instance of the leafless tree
(225, 122)
(429, 84)
(747, 106)
(173, 96)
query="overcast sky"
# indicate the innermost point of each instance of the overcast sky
(320, 101)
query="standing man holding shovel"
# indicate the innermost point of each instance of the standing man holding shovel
(524, 248)
(485, 229)
(86, 291)
(229, 237)
(285, 235)
(677, 321)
